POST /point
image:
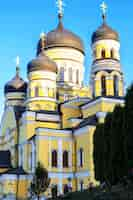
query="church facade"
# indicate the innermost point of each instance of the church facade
(51, 118)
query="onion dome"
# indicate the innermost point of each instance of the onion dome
(17, 84)
(105, 32)
(61, 37)
(42, 62)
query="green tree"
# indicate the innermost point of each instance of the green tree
(109, 147)
(40, 181)
(106, 146)
(129, 124)
(118, 154)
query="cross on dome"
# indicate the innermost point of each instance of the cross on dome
(17, 61)
(17, 65)
(60, 5)
(104, 8)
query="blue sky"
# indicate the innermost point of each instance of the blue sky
(21, 23)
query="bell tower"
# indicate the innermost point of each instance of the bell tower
(106, 72)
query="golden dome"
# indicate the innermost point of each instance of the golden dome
(104, 32)
(42, 62)
(61, 37)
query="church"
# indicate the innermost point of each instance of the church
(52, 117)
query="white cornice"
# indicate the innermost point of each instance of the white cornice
(101, 114)
(47, 117)
(99, 100)
(53, 131)
(108, 42)
(40, 99)
(82, 174)
(61, 175)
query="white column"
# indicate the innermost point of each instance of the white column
(60, 154)
(60, 165)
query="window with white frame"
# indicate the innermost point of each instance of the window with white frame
(54, 158)
(36, 91)
(61, 74)
(77, 76)
(80, 157)
(65, 159)
(70, 74)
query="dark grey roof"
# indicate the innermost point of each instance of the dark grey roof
(16, 171)
(92, 120)
(18, 111)
(17, 84)
(48, 112)
(5, 159)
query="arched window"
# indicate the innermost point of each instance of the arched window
(29, 92)
(70, 74)
(112, 53)
(36, 91)
(54, 158)
(116, 85)
(77, 76)
(81, 157)
(103, 86)
(65, 159)
(61, 74)
(103, 54)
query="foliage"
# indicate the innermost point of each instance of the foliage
(129, 125)
(54, 191)
(40, 181)
(113, 146)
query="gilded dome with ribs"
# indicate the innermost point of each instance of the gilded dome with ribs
(42, 62)
(104, 32)
(61, 37)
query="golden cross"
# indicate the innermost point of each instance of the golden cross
(60, 6)
(17, 65)
(17, 61)
(103, 7)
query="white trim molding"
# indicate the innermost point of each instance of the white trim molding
(82, 174)
(47, 117)
(53, 131)
(101, 114)
(99, 100)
